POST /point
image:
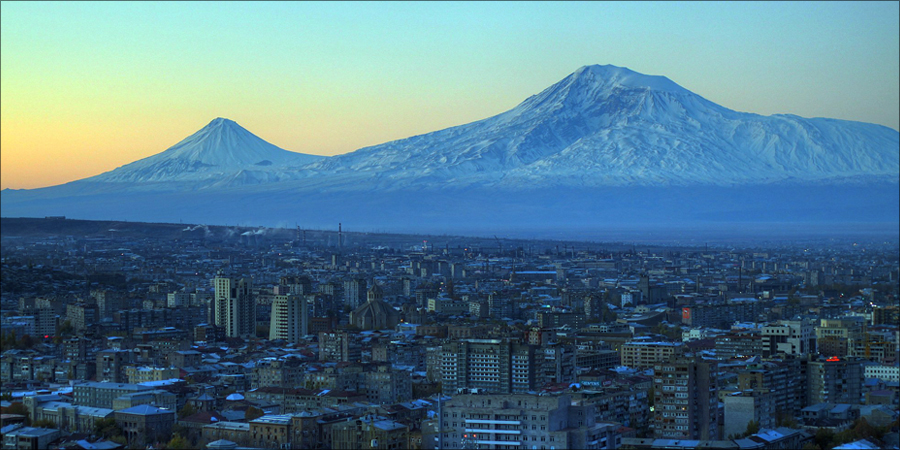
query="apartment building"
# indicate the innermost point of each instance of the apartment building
(234, 306)
(137, 375)
(646, 354)
(790, 337)
(686, 401)
(517, 421)
(290, 318)
(491, 365)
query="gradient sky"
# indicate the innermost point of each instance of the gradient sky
(87, 87)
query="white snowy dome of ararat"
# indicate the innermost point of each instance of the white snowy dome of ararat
(607, 125)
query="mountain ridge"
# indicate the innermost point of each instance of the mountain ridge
(609, 119)
(603, 144)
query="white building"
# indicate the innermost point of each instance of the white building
(290, 318)
(883, 373)
(235, 307)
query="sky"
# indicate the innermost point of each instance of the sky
(90, 86)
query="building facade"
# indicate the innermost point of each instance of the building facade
(517, 421)
(686, 401)
(235, 307)
(290, 318)
(644, 354)
(835, 380)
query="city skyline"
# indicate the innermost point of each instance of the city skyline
(90, 87)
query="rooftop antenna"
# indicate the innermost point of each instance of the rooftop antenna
(340, 240)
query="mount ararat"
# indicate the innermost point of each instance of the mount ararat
(604, 147)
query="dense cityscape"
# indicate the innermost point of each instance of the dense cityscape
(128, 335)
(237, 225)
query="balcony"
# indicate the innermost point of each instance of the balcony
(497, 422)
(486, 431)
(485, 442)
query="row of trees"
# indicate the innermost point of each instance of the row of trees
(12, 341)
(826, 439)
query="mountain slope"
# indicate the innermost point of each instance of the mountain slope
(604, 146)
(606, 125)
(219, 152)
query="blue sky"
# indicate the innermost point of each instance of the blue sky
(90, 86)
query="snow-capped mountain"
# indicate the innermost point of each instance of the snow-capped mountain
(604, 145)
(609, 126)
(219, 153)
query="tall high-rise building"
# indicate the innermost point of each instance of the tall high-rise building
(355, 292)
(300, 285)
(835, 337)
(835, 380)
(791, 337)
(500, 366)
(290, 318)
(784, 379)
(235, 307)
(686, 402)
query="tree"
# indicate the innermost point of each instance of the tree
(66, 328)
(783, 419)
(253, 413)
(752, 428)
(823, 438)
(44, 423)
(862, 429)
(9, 340)
(844, 436)
(178, 442)
(187, 411)
(20, 409)
(25, 343)
(190, 434)
(107, 428)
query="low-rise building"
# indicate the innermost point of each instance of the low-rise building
(137, 375)
(371, 432)
(144, 424)
(30, 438)
(271, 431)
(100, 394)
(237, 432)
